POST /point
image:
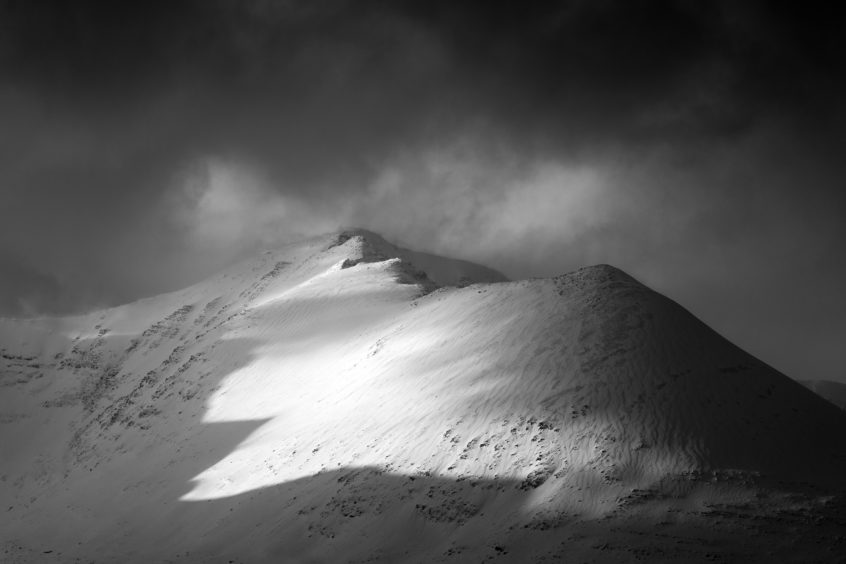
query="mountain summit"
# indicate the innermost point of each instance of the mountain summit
(344, 399)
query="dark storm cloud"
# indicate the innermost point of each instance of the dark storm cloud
(146, 144)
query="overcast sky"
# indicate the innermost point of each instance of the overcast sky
(697, 145)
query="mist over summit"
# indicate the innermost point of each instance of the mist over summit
(345, 399)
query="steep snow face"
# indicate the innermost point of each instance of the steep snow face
(345, 396)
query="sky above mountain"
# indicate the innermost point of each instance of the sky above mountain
(145, 145)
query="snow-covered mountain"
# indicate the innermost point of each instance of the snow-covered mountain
(343, 399)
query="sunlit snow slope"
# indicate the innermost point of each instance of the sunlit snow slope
(344, 399)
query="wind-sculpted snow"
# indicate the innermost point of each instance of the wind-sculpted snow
(343, 399)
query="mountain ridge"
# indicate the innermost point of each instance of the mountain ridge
(835, 392)
(567, 401)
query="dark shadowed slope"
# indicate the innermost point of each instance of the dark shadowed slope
(835, 392)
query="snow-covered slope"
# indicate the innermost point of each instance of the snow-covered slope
(342, 399)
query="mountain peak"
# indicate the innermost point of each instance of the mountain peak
(368, 246)
(362, 235)
(602, 273)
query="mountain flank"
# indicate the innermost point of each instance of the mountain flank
(344, 399)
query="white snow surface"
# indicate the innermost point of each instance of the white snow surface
(342, 396)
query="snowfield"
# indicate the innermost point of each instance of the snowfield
(345, 400)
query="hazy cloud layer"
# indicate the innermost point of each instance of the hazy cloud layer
(696, 145)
